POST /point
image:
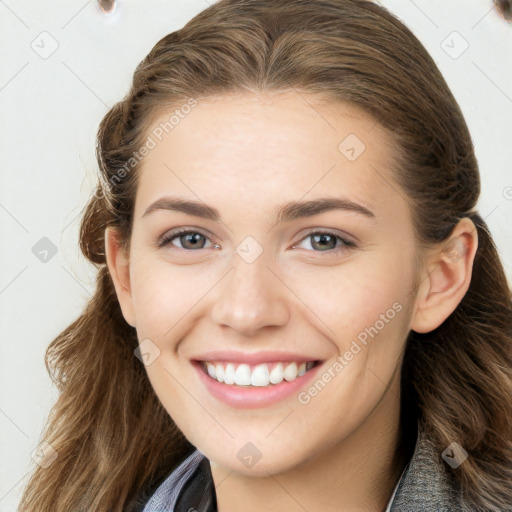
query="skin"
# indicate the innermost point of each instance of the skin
(245, 154)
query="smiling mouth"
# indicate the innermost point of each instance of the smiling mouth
(259, 375)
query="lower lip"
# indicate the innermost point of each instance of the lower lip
(253, 397)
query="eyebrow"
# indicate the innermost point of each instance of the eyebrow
(284, 212)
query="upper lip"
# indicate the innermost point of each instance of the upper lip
(252, 357)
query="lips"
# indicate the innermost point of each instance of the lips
(257, 394)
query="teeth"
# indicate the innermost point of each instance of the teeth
(218, 372)
(290, 372)
(229, 374)
(211, 371)
(260, 375)
(276, 375)
(243, 375)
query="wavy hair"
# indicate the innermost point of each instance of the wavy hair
(115, 441)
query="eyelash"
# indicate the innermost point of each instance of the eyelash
(346, 244)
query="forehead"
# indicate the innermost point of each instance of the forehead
(261, 149)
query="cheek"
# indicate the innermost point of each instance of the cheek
(162, 294)
(153, 298)
(345, 302)
(366, 320)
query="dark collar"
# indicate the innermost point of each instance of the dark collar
(198, 493)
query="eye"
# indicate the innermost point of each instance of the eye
(188, 238)
(326, 241)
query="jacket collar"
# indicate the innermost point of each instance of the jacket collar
(426, 484)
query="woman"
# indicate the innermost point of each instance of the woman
(298, 306)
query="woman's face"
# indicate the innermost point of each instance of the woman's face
(262, 276)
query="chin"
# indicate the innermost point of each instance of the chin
(262, 468)
(248, 460)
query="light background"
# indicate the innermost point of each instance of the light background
(51, 105)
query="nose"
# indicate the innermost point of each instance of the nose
(250, 298)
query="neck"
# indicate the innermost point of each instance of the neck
(360, 472)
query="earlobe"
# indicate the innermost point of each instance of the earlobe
(119, 267)
(447, 278)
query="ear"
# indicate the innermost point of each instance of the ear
(446, 280)
(119, 267)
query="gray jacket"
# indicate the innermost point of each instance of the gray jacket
(424, 486)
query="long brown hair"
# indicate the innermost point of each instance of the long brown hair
(115, 442)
